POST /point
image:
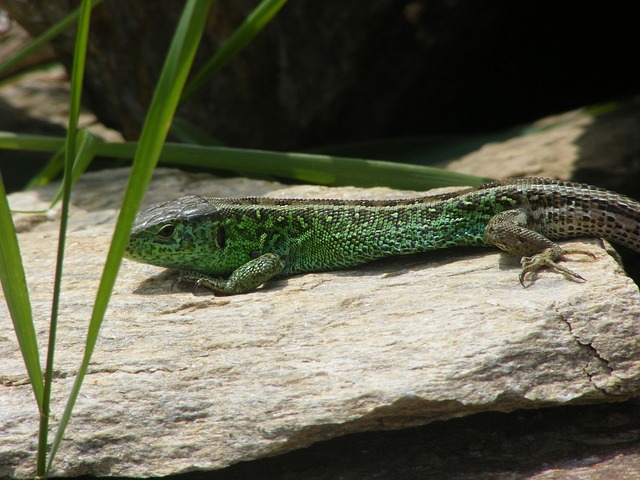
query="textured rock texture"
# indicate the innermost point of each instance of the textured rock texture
(596, 146)
(182, 382)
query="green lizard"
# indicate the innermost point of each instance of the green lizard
(235, 245)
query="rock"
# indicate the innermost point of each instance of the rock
(586, 145)
(37, 104)
(14, 38)
(586, 442)
(181, 382)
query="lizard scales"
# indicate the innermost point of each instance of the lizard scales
(250, 240)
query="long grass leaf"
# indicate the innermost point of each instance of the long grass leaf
(35, 143)
(77, 76)
(318, 169)
(16, 295)
(49, 172)
(163, 106)
(86, 146)
(301, 167)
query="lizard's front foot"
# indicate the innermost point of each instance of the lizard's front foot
(547, 258)
(245, 278)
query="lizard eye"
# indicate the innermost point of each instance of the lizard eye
(167, 231)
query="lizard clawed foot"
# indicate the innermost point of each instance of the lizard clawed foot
(247, 277)
(547, 258)
(193, 278)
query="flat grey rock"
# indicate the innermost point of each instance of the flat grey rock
(181, 382)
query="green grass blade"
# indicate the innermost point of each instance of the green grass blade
(77, 76)
(35, 143)
(42, 40)
(16, 294)
(161, 111)
(318, 169)
(252, 25)
(86, 146)
(301, 167)
(49, 172)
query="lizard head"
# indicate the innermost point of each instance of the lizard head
(181, 234)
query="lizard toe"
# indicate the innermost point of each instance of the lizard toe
(547, 259)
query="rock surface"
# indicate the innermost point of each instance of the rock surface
(585, 145)
(181, 382)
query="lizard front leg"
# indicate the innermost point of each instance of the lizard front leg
(244, 279)
(509, 231)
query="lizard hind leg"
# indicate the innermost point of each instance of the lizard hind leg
(510, 231)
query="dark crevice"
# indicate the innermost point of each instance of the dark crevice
(592, 352)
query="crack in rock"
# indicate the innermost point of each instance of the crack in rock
(587, 347)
